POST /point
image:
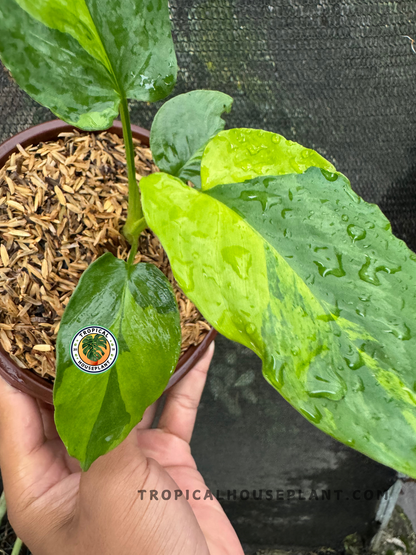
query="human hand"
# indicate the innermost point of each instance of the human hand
(56, 509)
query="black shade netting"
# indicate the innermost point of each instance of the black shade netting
(336, 76)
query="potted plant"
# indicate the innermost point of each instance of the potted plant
(30, 349)
(269, 242)
(155, 80)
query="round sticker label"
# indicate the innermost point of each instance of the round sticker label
(94, 350)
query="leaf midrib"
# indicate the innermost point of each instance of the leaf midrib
(114, 368)
(110, 69)
(107, 66)
(321, 303)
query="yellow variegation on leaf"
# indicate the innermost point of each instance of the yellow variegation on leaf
(309, 276)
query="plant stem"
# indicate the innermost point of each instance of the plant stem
(17, 546)
(131, 228)
(3, 507)
(132, 254)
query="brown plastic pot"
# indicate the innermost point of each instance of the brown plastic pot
(24, 379)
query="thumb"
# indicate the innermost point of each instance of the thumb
(127, 459)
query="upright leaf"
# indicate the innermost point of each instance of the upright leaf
(182, 128)
(95, 412)
(301, 270)
(81, 58)
(236, 155)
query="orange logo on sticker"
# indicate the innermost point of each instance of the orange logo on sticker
(94, 349)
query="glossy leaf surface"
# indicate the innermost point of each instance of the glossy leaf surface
(236, 155)
(79, 58)
(95, 412)
(305, 273)
(182, 128)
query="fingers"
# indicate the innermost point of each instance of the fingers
(21, 428)
(32, 457)
(46, 412)
(148, 417)
(21, 441)
(144, 424)
(127, 455)
(182, 401)
(54, 442)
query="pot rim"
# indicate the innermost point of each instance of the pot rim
(22, 378)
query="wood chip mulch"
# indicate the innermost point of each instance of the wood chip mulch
(62, 205)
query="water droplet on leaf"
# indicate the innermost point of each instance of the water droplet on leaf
(312, 414)
(332, 386)
(400, 330)
(287, 213)
(250, 328)
(337, 271)
(239, 258)
(359, 385)
(356, 232)
(354, 359)
(329, 176)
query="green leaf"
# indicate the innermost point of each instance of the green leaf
(94, 347)
(237, 155)
(192, 169)
(95, 412)
(80, 58)
(182, 128)
(305, 273)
